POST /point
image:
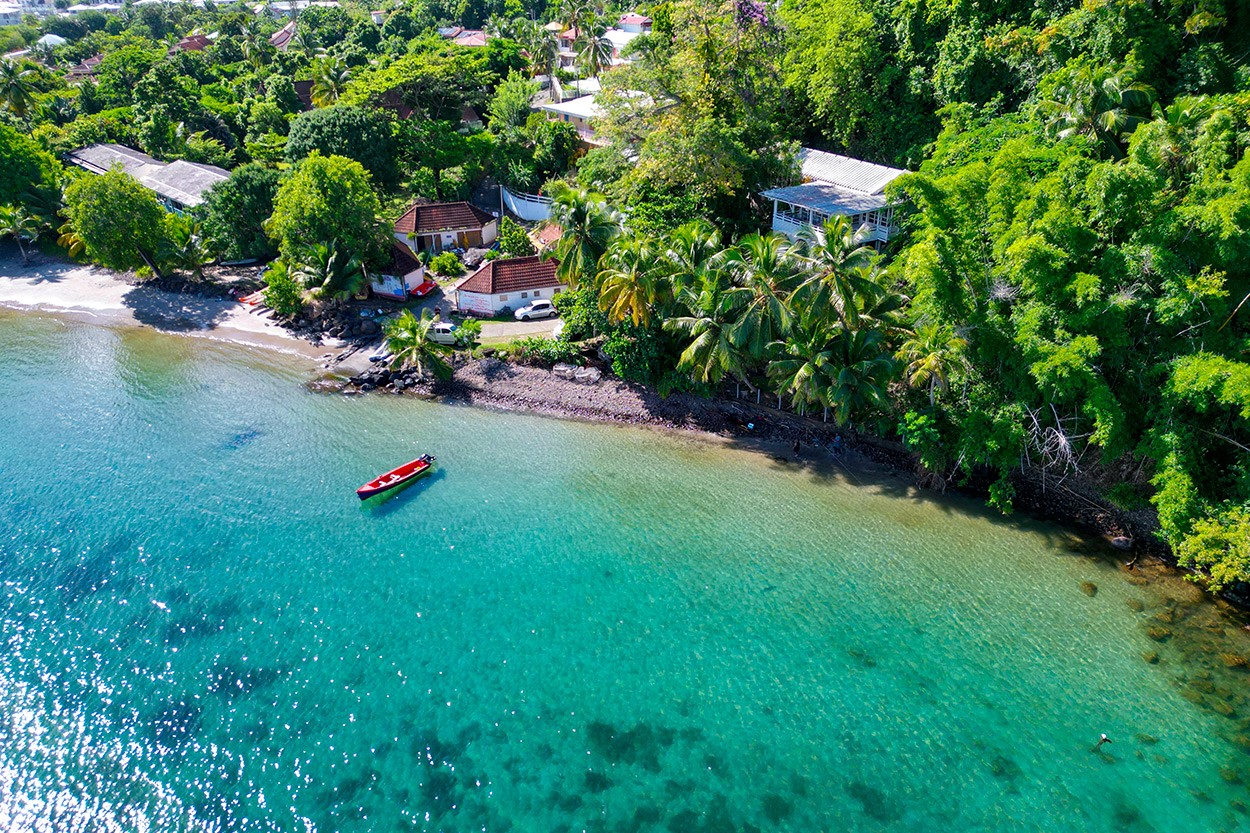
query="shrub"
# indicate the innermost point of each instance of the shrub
(468, 334)
(283, 293)
(543, 351)
(447, 265)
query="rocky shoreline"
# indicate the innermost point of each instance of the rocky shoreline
(494, 383)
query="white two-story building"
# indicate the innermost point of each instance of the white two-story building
(835, 185)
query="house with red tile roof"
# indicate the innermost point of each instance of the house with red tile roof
(470, 37)
(639, 24)
(507, 284)
(282, 38)
(86, 69)
(433, 227)
(191, 43)
(404, 276)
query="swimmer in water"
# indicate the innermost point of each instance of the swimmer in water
(1101, 740)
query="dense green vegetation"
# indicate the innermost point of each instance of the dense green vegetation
(1068, 291)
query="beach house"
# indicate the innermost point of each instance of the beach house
(835, 185)
(179, 185)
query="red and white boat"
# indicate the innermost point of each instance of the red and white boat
(397, 477)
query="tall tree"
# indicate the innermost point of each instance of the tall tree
(21, 225)
(326, 198)
(764, 275)
(631, 281)
(835, 260)
(330, 77)
(589, 226)
(236, 210)
(707, 318)
(119, 222)
(1102, 102)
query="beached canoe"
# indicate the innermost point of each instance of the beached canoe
(396, 477)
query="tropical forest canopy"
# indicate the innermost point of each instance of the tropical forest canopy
(1067, 291)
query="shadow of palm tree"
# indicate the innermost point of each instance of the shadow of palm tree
(174, 312)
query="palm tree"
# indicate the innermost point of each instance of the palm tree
(330, 77)
(589, 225)
(864, 370)
(1101, 102)
(631, 281)
(763, 274)
(69, 239)
(804, 365)
(575, 13)
(256, 47)
(932, 356)
(691, 250)
(837, 262)
(18, 223)
(408, 339)
(596, 52)
(1179, 125)
(542, 47)
(709, 321)
(327, 272)
(183, 246)
(17, 93)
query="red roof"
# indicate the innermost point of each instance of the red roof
(634, 17)
(282, 38)
(515, 274)
(193, 43)
(87, 67)
(470, 37)
(546, 235)
(442, 216)
(403, 261)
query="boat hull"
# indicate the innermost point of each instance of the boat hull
(397, 478)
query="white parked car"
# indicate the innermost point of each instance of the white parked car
(537, 309)
(444, 332)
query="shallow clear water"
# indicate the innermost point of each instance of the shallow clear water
(568, 627)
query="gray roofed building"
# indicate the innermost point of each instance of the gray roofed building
(834, 186)
(179, 184)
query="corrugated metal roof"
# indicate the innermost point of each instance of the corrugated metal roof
(184, 182)
(845, 172)
(828, 199)
(180, 181)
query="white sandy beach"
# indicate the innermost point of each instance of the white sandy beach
(60, 286)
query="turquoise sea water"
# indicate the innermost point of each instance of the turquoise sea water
(568, 627)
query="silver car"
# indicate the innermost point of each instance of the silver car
(537, 309)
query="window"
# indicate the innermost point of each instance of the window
(538, 293)
(503, 297)
(525, 294)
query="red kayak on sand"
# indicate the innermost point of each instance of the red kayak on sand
(396, 477)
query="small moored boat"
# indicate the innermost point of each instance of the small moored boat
(396, 477)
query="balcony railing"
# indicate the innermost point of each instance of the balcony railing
(791, 223)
